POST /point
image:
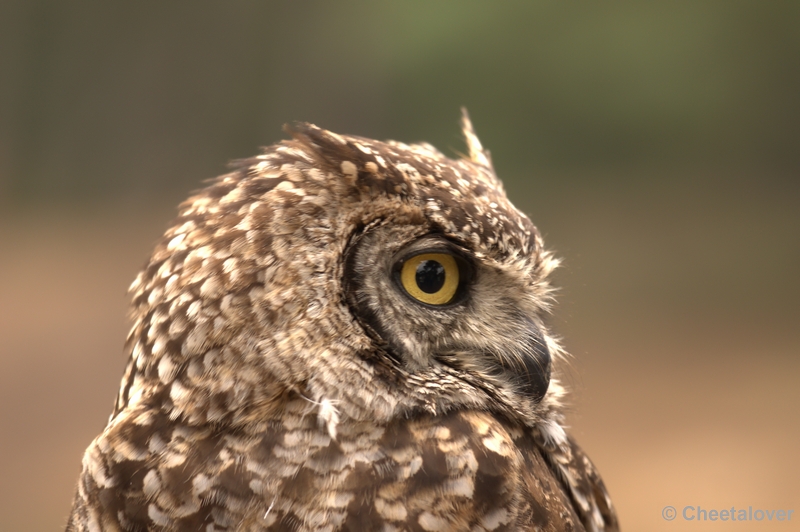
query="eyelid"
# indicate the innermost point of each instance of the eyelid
(434, 245)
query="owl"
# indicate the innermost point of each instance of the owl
(343, 334)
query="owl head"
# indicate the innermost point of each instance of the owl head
(377, 277)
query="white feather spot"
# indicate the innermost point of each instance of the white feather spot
(166, 370)
(151, 484)
(159, 347)
(171, 284)
(178, 393)
(432, 523)
(393, 511)
(256, 486)
(329, 416)
(496, 444)
(158, 517)
(211, 287)
(175, 242)
(463, 487)
(349, 169)
(553, 432)
(495, 518)
(234, 195)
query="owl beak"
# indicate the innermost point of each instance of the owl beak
(532, 367)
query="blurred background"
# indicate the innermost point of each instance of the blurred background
(655, 145)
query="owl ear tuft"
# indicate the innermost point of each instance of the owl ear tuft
(476, 152)
(326, 147)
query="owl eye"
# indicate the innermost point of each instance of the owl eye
(431, 278)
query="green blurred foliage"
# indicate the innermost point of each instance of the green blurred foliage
(107, 100)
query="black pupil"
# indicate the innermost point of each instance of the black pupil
(430, 276)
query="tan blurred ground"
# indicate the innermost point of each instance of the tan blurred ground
(683, 329)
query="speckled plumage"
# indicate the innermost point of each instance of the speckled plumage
(279, 379)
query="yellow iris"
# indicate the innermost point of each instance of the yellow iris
(431, 278)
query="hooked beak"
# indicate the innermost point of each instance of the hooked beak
(533, 367)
